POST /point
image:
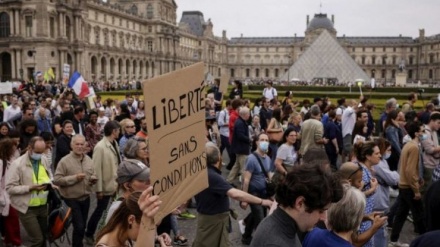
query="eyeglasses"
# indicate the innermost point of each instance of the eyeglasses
(131, 126)
(359, 169)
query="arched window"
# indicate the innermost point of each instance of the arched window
(134, 9)
(5, 30)
(150, 11)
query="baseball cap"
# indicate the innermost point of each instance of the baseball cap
(130, 170)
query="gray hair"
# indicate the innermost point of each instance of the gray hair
(390, 103)
(212, 153)
(346, 215)
(243, 111)
(314, 110)
(76, 137)
(132, 146)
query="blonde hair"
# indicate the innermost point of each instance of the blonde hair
(124, 123)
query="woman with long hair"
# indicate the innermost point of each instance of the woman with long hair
(386, 178)
(368, 155)
(359, 133)
(133, 221)
(10, 220)
(394, 135)
(237, 92)
(287, 155)
(257, 107)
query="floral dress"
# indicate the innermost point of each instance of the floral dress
(365, 225)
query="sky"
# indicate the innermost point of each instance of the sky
(270, 18)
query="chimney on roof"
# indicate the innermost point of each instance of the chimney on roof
(307, 20)
(333, 19)
(422, 34)
(224, 34)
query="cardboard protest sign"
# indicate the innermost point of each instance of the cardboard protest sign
(66, 73)
(5, 87)
(175, 114)
(224, 83)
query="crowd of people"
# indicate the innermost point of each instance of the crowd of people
(326, 172)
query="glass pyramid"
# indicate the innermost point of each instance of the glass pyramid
(326, 59)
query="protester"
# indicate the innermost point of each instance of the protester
(133, 221)
(312, 131)
(213, 204)
(411, 179)
(93, 131)
(27, 186)
(303, 197)
(430, 145)
(106, 158)
(75, 177)
(4, 130)
(63, 142)
(257, 170)
(8, 214)
(287, 156)
(344, 218)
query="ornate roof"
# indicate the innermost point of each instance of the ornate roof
(377, 40)
(195, 21)
(320, 21)
(265, 40)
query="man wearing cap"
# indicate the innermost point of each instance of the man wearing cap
(132, 174)
(75, 176)
(270, 92)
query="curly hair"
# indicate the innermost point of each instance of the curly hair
(318, 187)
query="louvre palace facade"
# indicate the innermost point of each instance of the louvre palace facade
(122, 40)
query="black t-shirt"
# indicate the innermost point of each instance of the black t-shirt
(214, 199)
(114, 146)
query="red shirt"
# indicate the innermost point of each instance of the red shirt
(233, 116)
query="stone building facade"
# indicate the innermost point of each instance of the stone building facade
(126, 40)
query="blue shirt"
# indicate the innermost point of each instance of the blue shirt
(323, 238)
(257, 184)
(214, 199)
(365, 225)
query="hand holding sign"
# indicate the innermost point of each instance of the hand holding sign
(175, 115)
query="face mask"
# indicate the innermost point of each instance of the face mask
(386, 156)
(423, 137)
(35, 156)
(264, 146)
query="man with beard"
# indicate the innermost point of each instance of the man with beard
(143, 133)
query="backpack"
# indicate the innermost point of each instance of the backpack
(59, 220)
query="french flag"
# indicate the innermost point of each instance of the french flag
(79, 85)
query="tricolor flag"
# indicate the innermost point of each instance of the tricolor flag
(79, 85)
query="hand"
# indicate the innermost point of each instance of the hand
(379, 221)
(80, 176)
(372, 215)
(38, 187)
(93, 179)
(149, 204)
(374, 183)
(267, 203)
(243, 205)
(417, 196)
(99, 195)
(164, 239)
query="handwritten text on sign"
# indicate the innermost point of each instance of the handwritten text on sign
(175, 114)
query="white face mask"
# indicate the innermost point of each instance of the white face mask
(386, 156)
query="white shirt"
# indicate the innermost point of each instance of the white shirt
(101, 122)
(348, 121)
(270, 93)
(223, 119)
(10, 112)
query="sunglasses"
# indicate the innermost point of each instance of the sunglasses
(359, 169)
(132, 126)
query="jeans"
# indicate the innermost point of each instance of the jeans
(257, 214)
(34, 221)
(380, 237)
(406, 203)
(96, 216)
(225, 145)
(80, 212)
